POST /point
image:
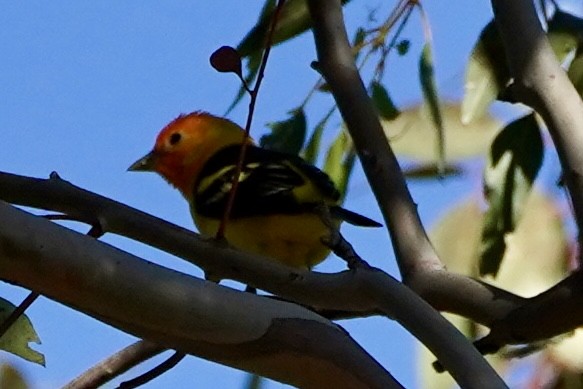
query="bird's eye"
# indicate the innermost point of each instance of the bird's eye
(175, 138)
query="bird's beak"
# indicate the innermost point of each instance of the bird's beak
(145, 164)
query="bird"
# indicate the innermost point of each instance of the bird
(275, 210)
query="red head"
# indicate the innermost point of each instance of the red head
(185, 144)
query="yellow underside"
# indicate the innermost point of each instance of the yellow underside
(290, 239)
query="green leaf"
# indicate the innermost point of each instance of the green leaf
(486, 74)
(427, 76)
(564, 33)
(575, 73)
(403, 47)
(339, 161)
(563, 22)
(312, 149)
(515, 159)
(19, 335)
(383, 102)
(287, 136)
(293, 20)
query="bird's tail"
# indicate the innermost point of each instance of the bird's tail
(353, 217)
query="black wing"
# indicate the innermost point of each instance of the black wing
(266, 183)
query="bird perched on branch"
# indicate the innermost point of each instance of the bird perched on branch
(275, 207)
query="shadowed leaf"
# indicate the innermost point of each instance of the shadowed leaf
(287, 136)
(534, 261)
(340, 160)
(403, 47)
(575, 72)
(487, 73)
(312, 149)
(294, 19)
(382, 101)
(515, 159)
(427, 77)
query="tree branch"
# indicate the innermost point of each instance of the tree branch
(479, 302)
(271, 338)
(360, 291)
(115, 365)
(336, 62)
(419, 264)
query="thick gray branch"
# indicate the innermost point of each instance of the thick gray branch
(414, 252)
(336, 62)
(363, 290)
(420, 266)
(272, 338)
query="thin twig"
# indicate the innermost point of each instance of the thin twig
(380, 68)
(254, 93)
(116, 365)
(153, 373)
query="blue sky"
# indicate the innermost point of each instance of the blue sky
(86, 86)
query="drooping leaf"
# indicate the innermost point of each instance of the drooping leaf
(287, 136)
(339, 161)
(382, 101)
(486, 74)
(428, 85)
(515, 159)
(293, 20)
(312, 149)
(16, 340)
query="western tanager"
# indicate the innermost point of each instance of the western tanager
(274, 212)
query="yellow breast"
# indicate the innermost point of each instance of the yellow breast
(294, 240)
